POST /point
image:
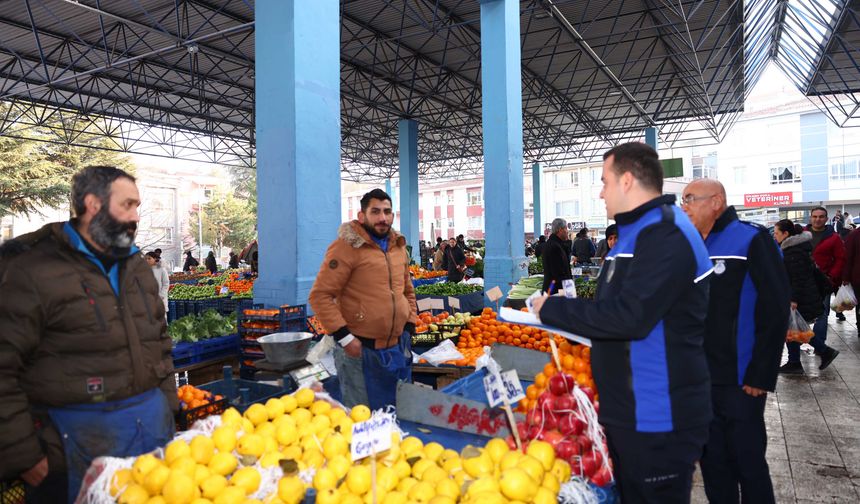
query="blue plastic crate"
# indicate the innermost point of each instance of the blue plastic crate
(216, 347)
(472, 387)
(183, 354)
(237, 395)
(298, 325)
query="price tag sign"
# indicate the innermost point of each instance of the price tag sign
(224, 289)
(424, 304)
(494, 294)
(454, 302)
(372, 436)
(437, 303)
(509, 387)
(577, 271)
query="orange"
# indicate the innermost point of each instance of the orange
(581, 379)
(540, 380)
(549, 370)
(586, 352)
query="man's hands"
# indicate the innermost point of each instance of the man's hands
(755, 392)
(353, 349)
(537, 304)
(36, 474)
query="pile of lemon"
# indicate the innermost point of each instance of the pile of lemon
(299, 433)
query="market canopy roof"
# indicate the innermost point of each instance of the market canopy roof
(176, 78)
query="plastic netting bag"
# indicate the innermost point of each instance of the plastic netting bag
(844, 300)
(798, 330)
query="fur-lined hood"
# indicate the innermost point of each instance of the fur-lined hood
(354, 234)
(791, 241)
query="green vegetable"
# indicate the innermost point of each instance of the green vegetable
(447, 289)
(192, 292)
(209, 324)
(536, 267)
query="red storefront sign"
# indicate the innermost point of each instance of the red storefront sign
(768, 199)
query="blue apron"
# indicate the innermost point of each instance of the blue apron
(126, 428)
(383, 368)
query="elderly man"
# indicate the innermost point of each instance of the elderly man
(556, 261)
(744, 333)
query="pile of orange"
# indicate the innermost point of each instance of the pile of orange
(575, 361)
(192, 397)
(426, 318)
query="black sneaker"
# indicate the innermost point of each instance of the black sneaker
(827, 357)
(840, 317)
(792, 368)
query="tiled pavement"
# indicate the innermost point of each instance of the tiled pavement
(813, 427)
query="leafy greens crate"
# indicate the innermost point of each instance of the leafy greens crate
(216, 347)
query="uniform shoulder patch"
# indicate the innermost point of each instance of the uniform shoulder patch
(332, 264)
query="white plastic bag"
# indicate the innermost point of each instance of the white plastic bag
(442, 352)
(844, 300)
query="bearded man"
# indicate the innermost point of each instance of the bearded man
(85, 360)
(363, 296)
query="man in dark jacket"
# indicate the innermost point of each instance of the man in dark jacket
(828, 251)
(556, 261)
(647, 326)
(745, 330)
(85, 359)
(583, 247)
(540, 246)
(190, 262)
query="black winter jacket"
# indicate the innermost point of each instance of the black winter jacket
(797, 256)
(556, 264)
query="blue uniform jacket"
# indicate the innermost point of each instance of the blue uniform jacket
(647, 322)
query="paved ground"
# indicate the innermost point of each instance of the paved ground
(813, 425)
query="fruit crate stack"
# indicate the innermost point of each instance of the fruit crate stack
(259, 321)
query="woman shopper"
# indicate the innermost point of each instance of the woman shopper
(796, 245)
(211, 265)
(161, 276)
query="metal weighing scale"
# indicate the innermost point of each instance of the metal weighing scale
(302, 373)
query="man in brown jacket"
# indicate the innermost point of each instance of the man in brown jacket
(363, 296)
(85, 360)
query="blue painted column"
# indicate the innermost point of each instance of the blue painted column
(502, 117)
(298, 143)
(652, 138)
(815, 179)
(408, 145)
(538, 224)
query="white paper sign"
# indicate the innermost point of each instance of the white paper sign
(577, 271)
(424, 304)
(372, 436)
(224, 289)
(454, 302)
(494, 294)
(509, 387)
(437, 303)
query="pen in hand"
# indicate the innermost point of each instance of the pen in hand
(551, 286)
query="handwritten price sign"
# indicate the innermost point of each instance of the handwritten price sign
(372, 436)
(509, 387)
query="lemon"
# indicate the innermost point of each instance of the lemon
(336, 414)
(313, 457)
(320, 407)
(452, 465)
(301, 416)
(325, 479)
(201, 449)
(420, 466)
(448, 488)
(179, 489)
(386, 478)
(284, 419)
(271, 459)
(230, 415)
(155, 480)
(142, 465)
(230, 495)
(402, 469)
(516, 484)
(185, 465)
(251, 444)
(265, 429)
(561, 470)
(134, 494)
(291, 490)
(201, 472)
(545, 496)
(448, 454)
(119, 481)
(286, 434)
(334, 445)
(434, 474)
(421, 492)
(256, 413)
(247, 478)
(433, 451)
(406, 484)
(480, 465)
(532, 467)
(550, 482)
(358, 480)
(223, 463)
(496, 448)
(213, 485)
(483, 485)
(359, 413)
(292, 452)
(489, 498)
(252, 501)
(395, 497)
(411, 445)
(304, 397)
(441, 499)
(224, 438)
(201, 500)
(510, 459)
(349, 498)
(176, 449)
(321, 423)
(270, 445)
(340, 464)
(274, 408)
(344, 426)
(542, 451)
(328, 496)
(247, 426)
(289, 403)
(156, 500)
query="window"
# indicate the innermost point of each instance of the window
(563, 180)
(438, 224)
(475, 197)
(437, 199)
(476, 223)
(207, 193)
(846, 170)
(784, 174)
(596, 173)
(451, 223)
(529, 211)
(567, 208)
(450, 197)
(598, 207)
(705, 167)
(167, 233)
(740, 174)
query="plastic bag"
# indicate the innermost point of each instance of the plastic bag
(798, 330)
(844, 300)
(442, 352)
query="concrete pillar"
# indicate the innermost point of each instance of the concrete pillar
(502, 118)
(815, 181)
(538, 224)
(298, 143)
(408, 144)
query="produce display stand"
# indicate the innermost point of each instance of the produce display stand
(428, 281)
(252, 326)
(185, 354)
(439, 376)
(204, 372)
(472, 302)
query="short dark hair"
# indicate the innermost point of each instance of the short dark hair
(460, 237)
(542, 238)
(374, 194)
(611, 230)
(639, 159)
(94, 180)
(438, 239)
(153, 255)
(817, 209)
(787, 226)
